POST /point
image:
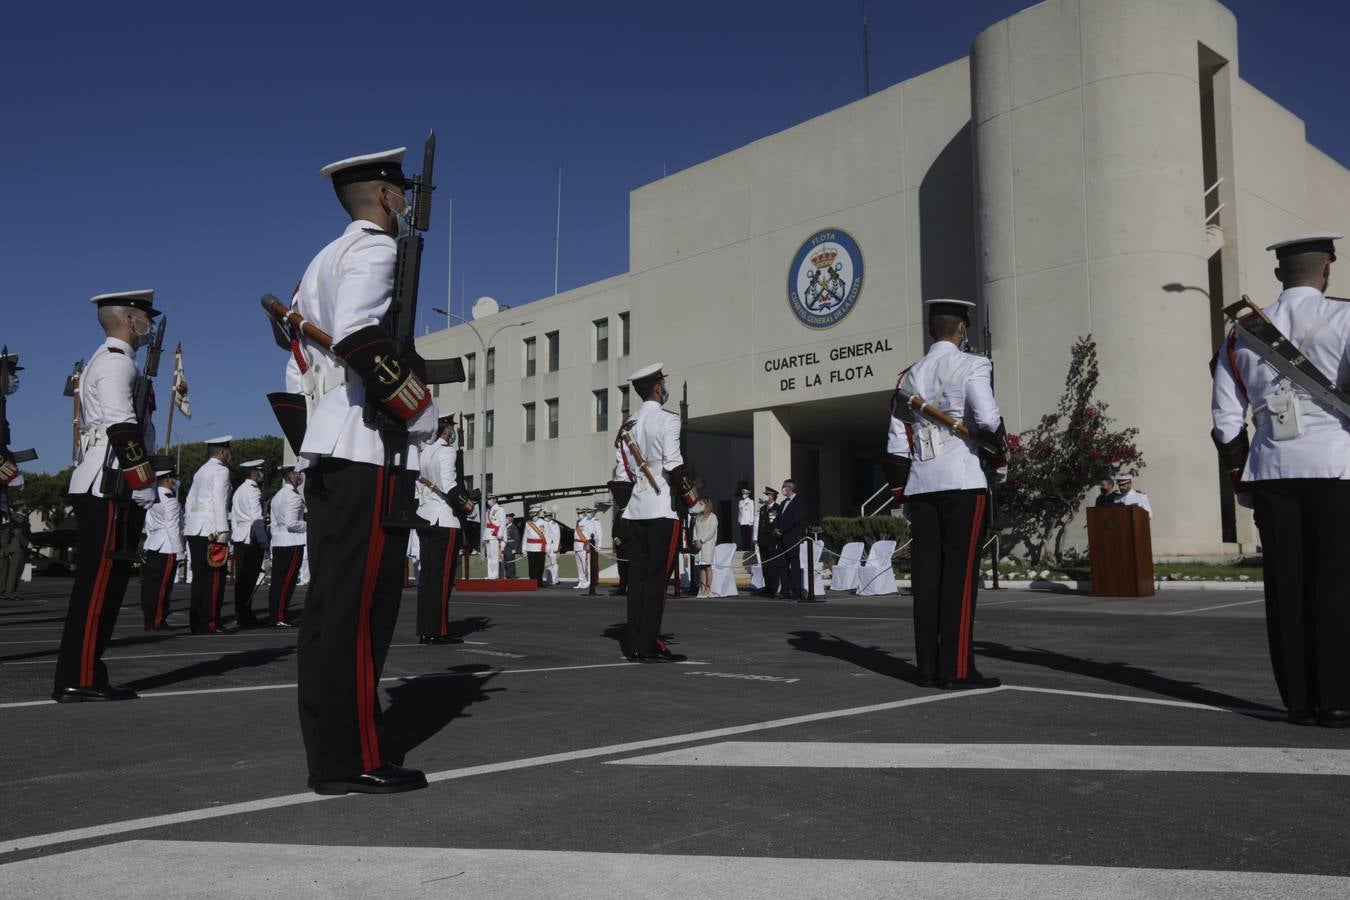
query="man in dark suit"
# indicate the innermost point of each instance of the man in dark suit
(790, 529)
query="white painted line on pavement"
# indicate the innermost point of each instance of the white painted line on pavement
(860, 618)
(281, 687)
(12, 845)
(182, 868)
(1048, 757)
(1153, 701)
(1182, 612)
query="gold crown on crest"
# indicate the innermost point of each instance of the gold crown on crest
(824, 258)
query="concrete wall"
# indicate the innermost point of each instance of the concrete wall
(1089, 185)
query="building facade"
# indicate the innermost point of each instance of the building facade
(1093, 167)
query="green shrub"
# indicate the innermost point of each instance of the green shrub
(839, 530)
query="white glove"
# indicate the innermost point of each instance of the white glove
(423, 428)
(145, 497)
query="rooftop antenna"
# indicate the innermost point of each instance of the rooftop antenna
(557, 234)
(867, 86)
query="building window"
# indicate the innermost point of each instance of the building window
(489, 426)
(468, 483)
(471, 364)
(490, 367)
(623, 333)
(468, 432)
(529, 422)
(623, 399)
(552, 338)
(487, 484)
(601, 339)
(552, 417)
(602, 410)
(436, 391)
(529, 356)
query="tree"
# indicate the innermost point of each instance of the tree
(1052, 467)
(45, 495)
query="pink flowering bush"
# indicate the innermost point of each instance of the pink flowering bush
(1052, 467)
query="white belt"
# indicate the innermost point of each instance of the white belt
(93, 437)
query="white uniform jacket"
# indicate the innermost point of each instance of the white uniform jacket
(496, 524)
(208, 501)
(596, 529)
(535, 535)
(164, 524)
(656, 432)
(959, 384)
(347, 287)
(745, 511)
(554, 535)
(437, 464)
(288, 517)
(246, 515)
(1136, 498)
(106, 395)
(1320, 328)
(581, 534)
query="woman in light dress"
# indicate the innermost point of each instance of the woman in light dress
(705, 542)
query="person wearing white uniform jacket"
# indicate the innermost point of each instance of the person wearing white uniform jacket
(648, 454)
(494, 537)
(583, 540)
(440, 493)
(554, 534)
(941, 476)
(1126, 495)
(288, 546)
(163, 549)
(745, 520)
(206, 523)
(358, 560)
(116, 447)
(1296, 477)
(248, 532)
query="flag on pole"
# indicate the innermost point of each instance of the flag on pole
(180, 385)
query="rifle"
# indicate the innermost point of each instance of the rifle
(142, 403)
(933, 414)
(73, 391)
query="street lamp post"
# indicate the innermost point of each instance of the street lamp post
(482, 406)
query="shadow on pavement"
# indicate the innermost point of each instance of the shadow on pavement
(461, 627)
(420, 707)
(230, 662)
(872, 658)
(115, 642)
(1122, 674)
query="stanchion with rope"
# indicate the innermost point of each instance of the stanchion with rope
(810, 540)
(593, 560)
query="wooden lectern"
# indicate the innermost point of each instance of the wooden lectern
(1121, 550)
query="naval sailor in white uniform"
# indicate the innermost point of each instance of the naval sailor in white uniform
(1295, 474)
(206, 523)
(248, 534)
(289, 531)
(116, 447)
(163, 549)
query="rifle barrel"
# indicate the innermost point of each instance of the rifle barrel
(275, 309)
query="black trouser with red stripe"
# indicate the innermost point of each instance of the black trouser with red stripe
(208, 589)
(439, 559)
(535, 560)
(356, 569)
(651, 546)
(248, 560)
(285, 573)
(156, 585)
(947, 526)
(96, 596)
(1305, 539)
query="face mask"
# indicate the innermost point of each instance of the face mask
(402, 223)
(665, 395)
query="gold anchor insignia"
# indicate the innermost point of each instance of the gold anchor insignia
(387, 369)
(134, 451)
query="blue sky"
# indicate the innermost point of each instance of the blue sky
(177, 145)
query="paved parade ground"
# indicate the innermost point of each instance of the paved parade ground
(1135, 750)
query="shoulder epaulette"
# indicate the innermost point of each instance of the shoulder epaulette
(377, 231)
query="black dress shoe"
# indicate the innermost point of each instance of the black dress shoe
(1333, 718)
(81, 694)
(618, 592)
(663, 656)
(973, 682)
(384, 780)
(1301, 717)
(440, 639)
(926, 681)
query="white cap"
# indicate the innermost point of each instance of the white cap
(393, 171)
(1316, 241)
(968, 304)
(142, 300)
(647, 372)
(1124, 476)
(251, 464)
(160, 473)
(219, 441)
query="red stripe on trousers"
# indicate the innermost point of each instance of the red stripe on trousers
(365, 659)
(670, 559)
(217, 594)
(288, 585)
(445, 582)
(967, 600)
(93, 613)
(164, 589)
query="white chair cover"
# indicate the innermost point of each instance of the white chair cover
(757, 577)
(877, 577)
(818, 551)
(723, 575)
(845, 577)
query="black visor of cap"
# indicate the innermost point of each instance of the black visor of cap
(381, 171)
(1318, 246)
